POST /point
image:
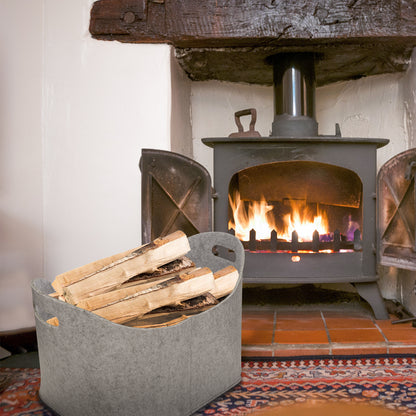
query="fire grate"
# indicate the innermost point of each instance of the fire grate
(335, 243)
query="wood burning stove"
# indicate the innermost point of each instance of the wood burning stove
(318, 175)
(295, 176)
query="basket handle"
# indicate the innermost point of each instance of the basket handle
(203, 250)
(46, 307)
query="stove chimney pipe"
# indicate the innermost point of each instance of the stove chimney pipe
(294, 95)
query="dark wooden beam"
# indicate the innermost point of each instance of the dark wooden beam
(229, 39)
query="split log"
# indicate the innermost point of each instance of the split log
(72, 276)
(170, 269)
(54, 295)
(224, 281)
(198, 303)
(163, 319)
(99, 301)
(138, 284)
(157, 320)
(172, 291)
(108, 276)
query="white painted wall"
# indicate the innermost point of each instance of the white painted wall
(369, 107)
(21, 239)
(103, 102)
(213, 104)
(181, 129)
(74, 115)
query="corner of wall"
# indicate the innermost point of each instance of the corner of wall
(180, 123)
(409, 100)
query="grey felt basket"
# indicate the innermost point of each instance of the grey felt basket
(91, 366)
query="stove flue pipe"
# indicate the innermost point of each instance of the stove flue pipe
(294, 95)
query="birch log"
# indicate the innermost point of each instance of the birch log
(143, 260)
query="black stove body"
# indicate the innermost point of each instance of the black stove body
(235, 157)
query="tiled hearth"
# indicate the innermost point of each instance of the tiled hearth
(349, 328)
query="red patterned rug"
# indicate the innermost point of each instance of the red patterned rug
(388, 382)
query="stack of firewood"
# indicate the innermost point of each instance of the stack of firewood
(150, 286)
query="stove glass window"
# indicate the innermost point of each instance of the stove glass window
(296, 206)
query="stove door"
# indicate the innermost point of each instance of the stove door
(396, 211)
(176, 195)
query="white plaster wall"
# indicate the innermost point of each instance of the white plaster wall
(409, 96)
(74, 115)
(213, 104)
(181, 129)
(21, 240)
(369, 107)
(103, 102)
(378, 107)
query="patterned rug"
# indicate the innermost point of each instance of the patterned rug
(388, 382)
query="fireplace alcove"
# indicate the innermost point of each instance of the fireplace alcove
(225, 41)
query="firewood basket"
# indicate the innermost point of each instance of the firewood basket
(92, 366)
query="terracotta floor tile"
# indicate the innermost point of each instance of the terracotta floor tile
(341, 349)
(344, 314)
(245, 352)
(354, 336)
(262, 320)
(401, 349)
(292, 352)
(256, 337)
(301, 337)
(398, 334)
(304, 323)
(388, 324)
(302, 333)
(348, 322)
(282, 314)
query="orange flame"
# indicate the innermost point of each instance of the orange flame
(257, 215)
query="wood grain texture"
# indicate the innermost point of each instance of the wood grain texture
(211, 23)
(229, 39)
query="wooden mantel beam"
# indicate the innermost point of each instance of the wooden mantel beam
(230, 39)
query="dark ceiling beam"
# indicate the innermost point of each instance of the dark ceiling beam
(230, 39)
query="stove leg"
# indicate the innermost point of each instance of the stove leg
(371, 293)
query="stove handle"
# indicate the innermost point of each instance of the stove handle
(251, 132)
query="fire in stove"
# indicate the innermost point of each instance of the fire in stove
(291, 225)
(259, 216)
(272, 207)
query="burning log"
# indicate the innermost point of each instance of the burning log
(104, 275)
